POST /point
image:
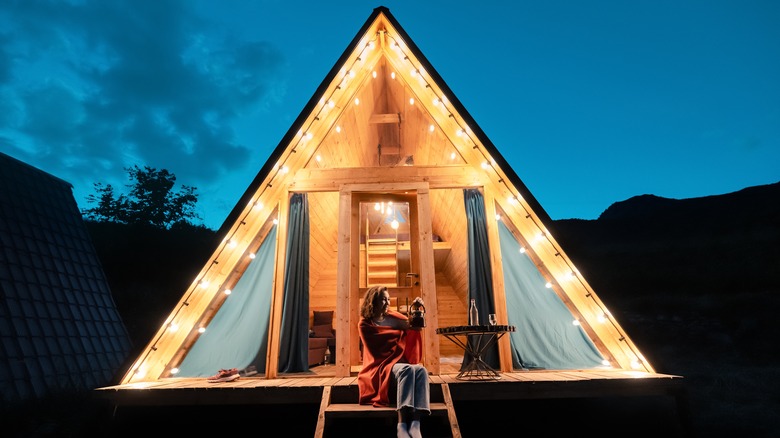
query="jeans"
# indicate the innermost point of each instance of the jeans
(412, 387)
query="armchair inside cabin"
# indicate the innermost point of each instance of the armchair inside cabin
(322, 336)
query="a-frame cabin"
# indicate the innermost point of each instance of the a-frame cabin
(384, 178)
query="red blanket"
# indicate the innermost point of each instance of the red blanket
(383, 347)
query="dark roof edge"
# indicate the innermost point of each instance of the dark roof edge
(37, 170)
(310, 106)
(475, 128)
(280, 148)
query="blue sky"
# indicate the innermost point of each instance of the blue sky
(590, 102)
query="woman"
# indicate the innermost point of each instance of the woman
(391, 354)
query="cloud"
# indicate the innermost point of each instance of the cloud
(93, 87)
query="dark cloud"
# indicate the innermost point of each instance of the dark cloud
(5, 57)
(53, 115)
(129, 82)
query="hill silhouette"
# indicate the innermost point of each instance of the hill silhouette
(646, 245)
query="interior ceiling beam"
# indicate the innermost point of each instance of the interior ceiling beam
(438, 177)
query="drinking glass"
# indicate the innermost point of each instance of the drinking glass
(492, 319)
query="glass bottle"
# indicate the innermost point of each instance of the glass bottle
(327, 356)
(473, 314)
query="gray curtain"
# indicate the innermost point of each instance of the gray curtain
(294, 341)
(237, 336)
(480, 272)
(545, 336)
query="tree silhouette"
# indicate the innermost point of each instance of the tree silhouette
(150, 201)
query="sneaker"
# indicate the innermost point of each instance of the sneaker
(224, 376)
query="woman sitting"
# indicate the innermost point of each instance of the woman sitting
(391, 356)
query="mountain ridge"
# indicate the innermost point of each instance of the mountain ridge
(648, 245)
(749, 199)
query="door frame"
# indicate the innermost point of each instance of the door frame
(348, 358)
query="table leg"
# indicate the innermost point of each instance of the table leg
(477, 368)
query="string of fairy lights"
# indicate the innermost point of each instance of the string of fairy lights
(256, 205)
(489, 164)
(303, 136)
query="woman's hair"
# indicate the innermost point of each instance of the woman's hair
(370, 300)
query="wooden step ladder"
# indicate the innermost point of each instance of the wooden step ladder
(332, 408)
(382, 262)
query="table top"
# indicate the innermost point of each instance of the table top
(470, 329)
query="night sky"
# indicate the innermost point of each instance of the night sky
(590, 102)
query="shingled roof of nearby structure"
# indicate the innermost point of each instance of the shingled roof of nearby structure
(59, 327)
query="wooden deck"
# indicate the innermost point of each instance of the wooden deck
(308, 388)
(312, 397)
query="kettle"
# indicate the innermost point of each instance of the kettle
(417, 315)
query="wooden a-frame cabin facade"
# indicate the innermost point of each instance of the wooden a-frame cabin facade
(383, 130)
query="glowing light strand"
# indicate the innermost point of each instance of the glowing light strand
(466, 131)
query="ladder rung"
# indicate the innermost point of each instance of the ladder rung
(381, 240)
(382, 272)
(357, 410)
(382, 252)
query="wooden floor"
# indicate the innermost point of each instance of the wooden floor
(308, 388)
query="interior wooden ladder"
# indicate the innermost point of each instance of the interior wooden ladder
(389, 130)
(331, 408)
(382, 262)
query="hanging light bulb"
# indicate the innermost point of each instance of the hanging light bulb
(394, 222)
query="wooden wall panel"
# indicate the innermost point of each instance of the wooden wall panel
(449, 222)
(452, 311)
(323, 220)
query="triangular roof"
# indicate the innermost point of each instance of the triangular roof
(429, 77)
(61, 330)
(382, 120)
